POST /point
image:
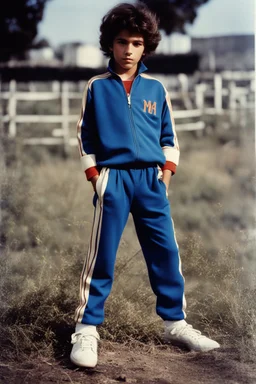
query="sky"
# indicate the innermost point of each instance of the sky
(79, 20)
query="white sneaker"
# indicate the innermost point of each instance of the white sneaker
(182, 333)
(85, 346)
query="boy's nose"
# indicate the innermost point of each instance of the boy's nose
(128, 50)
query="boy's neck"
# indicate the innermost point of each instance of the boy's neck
(126, 75)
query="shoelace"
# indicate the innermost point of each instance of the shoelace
(86, 341)
(187, 330)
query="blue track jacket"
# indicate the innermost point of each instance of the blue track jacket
(116, 129)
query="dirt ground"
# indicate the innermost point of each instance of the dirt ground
(139, 364)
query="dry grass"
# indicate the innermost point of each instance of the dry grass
(47, 215)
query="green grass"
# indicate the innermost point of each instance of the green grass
(47, 215)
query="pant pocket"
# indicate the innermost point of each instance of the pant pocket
(159, 173)
(164, 186)
(160, 181)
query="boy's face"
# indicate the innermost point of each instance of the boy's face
(127, 51)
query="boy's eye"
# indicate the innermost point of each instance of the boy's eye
(135, 43)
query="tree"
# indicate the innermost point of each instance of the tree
(174, 14)
(19, 26)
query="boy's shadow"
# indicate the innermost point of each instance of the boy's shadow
(62, 345)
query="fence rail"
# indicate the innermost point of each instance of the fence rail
(187, 119)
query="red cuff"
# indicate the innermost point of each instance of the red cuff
(169, 165)
(90, 172)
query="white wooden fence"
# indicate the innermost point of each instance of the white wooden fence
(210, 86)
(237, 95)
(59, 93)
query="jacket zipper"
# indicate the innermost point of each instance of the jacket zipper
(129, 100)
(128, 95)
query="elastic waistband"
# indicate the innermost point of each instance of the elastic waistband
(137, 165)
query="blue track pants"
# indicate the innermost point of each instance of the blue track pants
(119, 192)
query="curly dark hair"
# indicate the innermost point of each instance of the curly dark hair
(134, 18)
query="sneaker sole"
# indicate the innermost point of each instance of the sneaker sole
(187, 347)
(74, 361)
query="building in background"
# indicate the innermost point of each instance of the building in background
(231, 52)
(41, 55)
(81, 55)
(176, 43)
(234, 52)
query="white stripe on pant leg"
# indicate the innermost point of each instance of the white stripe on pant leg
(87, 276)
(92, 245)
(91, 249)
(89, 258)
(184, 303)
(89, 265)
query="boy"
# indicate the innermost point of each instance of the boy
(129, 151)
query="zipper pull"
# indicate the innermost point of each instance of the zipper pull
(129, 99)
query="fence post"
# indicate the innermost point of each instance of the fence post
(183, 79)
(232, 96)
(56, 86)
(199, 95)
(12, 108)
(218, 92)
(65, 114)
